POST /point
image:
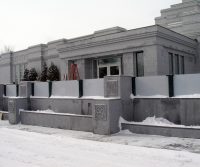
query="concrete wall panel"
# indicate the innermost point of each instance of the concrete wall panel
(41, 89)
(186, 84)
(65, 88)
(11, 90)
(150, 86)
(93, 87)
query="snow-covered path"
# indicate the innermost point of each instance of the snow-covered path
(21, 148)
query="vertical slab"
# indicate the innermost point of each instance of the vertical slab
(25, 89)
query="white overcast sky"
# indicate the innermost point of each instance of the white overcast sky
(29, 22)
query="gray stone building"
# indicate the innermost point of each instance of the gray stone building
(171, 46)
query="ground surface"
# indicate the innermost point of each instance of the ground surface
(31, 146)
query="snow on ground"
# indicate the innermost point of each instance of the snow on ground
(33, 146)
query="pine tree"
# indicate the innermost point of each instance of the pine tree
(53, 73)
(32, 75)
(43, 76)
(25, 77)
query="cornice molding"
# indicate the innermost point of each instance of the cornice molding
(180, 39)
(192, 45)
(34, 59)
(106, 42)
(50, 56)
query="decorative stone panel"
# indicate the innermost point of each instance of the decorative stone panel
(100, 112)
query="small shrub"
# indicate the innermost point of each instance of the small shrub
(43, 76)
(32, 75)
(25, 77)
(53, 73)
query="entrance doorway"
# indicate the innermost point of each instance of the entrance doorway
(109, 66)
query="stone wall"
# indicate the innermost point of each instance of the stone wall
(61, 121)
(185, 111)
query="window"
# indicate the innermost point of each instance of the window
(114, 70)
(102, 72)
(109, 66)
(139, 63)
(171, 64)
(182, 68)
(176, 64)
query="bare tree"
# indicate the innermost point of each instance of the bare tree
(6, 49)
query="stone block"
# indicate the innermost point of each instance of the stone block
(106, 115)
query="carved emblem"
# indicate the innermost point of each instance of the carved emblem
(100, 112)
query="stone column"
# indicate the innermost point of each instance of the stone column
(150, 60)
(14, 106)
(1, 96)
(64, 69)
(22, 102)
(128, 64)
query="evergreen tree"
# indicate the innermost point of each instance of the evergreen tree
(32, 75)
(43, 76)
(25, 77)
(53, 73)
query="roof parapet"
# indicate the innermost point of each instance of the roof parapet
(109, 31)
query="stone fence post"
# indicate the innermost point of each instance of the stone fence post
(14, 106)
(117, 103)
(21, 102)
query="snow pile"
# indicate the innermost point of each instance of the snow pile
(188, 96)
(132, 96)
(39, 97)
(64, 97)
(150, 121)
(157, 121)
(44, 111)
(153, 121)
(153, 96)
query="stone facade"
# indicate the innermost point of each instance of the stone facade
(153, 50)
(183, 18)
